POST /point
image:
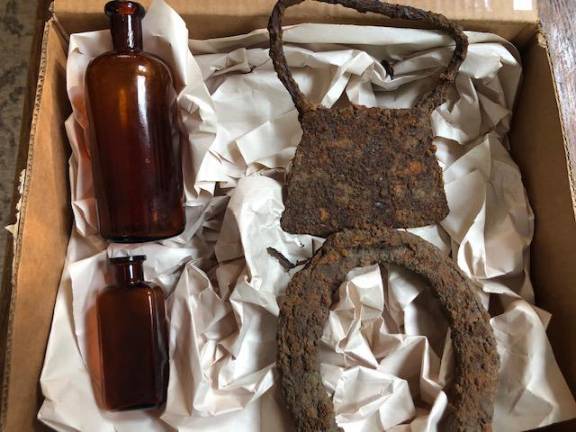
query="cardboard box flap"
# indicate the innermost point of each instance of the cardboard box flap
(502, 10)
(508, 18)
(45, 223)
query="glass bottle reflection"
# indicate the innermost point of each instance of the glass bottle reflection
(135, 144)
(133, 340)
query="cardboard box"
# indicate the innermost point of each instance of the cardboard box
(38, 251)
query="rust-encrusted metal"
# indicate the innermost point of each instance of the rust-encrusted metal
(358, 166)
(305, 307)
(373, 168)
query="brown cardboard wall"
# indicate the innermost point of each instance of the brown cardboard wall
(41, 242)
(219, 18)
(538, 148)
(501, 10)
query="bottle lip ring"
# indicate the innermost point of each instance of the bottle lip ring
(127, 259)
(124, 8)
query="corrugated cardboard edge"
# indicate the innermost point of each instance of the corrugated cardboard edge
(570, 157)
(229, 18)
(501, 10)
(8, 294)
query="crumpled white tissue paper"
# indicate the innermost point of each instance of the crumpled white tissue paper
(386, 350)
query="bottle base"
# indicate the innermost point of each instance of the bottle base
(136, 406)
(129, 238)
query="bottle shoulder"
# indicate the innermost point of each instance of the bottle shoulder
(141, 62)
(133, 290)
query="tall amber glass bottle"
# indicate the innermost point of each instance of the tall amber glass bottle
(135, 145)
(133, 339)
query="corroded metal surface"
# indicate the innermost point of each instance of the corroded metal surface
(373, 168)
(357, 166)
(306, 305)
(361, 166)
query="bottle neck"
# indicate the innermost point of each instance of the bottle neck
(129, 273)
(125, 25)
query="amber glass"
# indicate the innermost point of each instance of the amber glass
(135, 144)
(133, 340)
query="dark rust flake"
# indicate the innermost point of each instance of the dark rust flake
(357, 166)
(305, 307)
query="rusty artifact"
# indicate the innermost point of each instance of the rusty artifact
(305, 308)
(357, 166)
(375, 169)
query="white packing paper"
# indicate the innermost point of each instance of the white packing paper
(386, 353)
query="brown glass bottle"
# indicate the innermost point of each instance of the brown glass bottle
(135, 144)
(133, 339)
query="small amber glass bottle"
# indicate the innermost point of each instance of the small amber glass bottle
(135, 144)
(133, 341)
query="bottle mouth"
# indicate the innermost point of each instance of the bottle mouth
(124, 8)
(127, 259)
